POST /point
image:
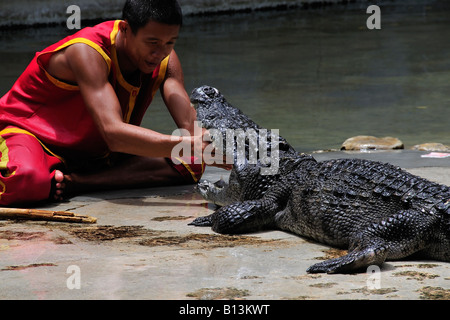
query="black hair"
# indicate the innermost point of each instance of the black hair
(139, 12)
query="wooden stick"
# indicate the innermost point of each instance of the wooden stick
(49, 215)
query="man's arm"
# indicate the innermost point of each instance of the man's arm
(90, 72)
(175, 96)
(178, 103)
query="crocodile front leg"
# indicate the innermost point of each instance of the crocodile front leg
(247, 216)
(241, 217)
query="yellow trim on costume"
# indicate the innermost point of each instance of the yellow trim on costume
(89, 43)
(114, 32)
(115, 60)
(65, 85)
(131, 104)
(133, 90)
(18, 130)
(3, 189)
(161, 75)
(61, 84)
(188, 168)
(4, 161)
(4, 164)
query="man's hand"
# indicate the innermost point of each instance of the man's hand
(201, 146)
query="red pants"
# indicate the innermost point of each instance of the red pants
(27, 168)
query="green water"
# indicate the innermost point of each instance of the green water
(319, 76)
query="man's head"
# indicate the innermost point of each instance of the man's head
(150, 29)
(139, 12)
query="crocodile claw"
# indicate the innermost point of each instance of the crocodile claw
(202, 222)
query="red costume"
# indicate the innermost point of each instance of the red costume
(42, 112)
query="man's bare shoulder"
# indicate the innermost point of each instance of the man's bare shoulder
(174, 69)
(77, 60)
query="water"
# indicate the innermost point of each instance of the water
(32, 12)
(318, 75)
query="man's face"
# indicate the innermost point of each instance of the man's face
(150, 45)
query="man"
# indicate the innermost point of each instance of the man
(70, 123)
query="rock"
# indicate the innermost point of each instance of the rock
(372, 143)
(432, 146)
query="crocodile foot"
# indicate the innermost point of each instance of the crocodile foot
(352, 262)
(202, 222)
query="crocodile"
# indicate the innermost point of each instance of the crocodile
(246, 180)
(377, 211)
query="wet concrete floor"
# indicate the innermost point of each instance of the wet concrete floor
(142, 248)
